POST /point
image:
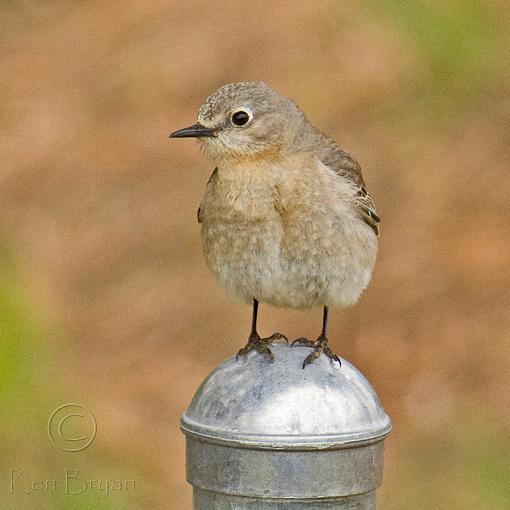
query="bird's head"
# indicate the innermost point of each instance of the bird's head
(246, 120)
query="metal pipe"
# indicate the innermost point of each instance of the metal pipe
(263, 436)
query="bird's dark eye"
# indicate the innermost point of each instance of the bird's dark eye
(240, 118)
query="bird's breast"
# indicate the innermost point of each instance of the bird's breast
(241, 235)
(295, 242)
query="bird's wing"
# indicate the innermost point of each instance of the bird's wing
(366, 209)
(199, 211)
(348, 168)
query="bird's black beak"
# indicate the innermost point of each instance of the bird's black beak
(195, 131)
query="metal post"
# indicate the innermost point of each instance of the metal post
(263, 436)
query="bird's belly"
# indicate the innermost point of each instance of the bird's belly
(291, 267)
(245, 257)
(329, 258)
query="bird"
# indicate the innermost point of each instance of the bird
(286, 218)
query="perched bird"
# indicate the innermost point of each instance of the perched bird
(286, 218)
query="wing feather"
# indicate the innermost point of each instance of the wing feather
(199, 211)
(348, 168)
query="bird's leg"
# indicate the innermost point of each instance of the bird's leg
(320, 345)
(255, 342)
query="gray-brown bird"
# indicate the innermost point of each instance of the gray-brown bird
(286, 218)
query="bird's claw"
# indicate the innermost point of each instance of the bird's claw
(304, 341)
(256, 343)
(319, 346)
(275, 337)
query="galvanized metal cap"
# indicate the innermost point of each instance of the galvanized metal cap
(256, 404)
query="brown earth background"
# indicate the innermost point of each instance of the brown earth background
(105, 298)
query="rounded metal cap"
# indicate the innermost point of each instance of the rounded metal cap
(280, 405)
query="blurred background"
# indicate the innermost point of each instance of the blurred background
(105, 299)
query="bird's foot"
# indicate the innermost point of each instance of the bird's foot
(319, 346)
(256, 343)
